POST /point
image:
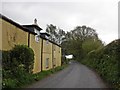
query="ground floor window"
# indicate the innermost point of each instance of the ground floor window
(54, 62)
(47, 62)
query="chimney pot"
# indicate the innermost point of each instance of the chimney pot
(35, 21)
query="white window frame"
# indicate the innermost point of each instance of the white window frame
(47, 62)
(37, 38)
(47, 42)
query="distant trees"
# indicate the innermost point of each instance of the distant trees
(78, 42)
(81, 41)
(82, 33)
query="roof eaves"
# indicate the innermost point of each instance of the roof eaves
(50, 41)
(36, 26)
(16, 24)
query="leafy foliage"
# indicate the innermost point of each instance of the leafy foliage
(81, 41)
(91, 44)
(17, 65)
(106, 62)
(19, 56)
(25, 78)
(23, 56)
(56, 34)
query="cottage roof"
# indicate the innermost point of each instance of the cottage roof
(24, 28)
(44, 33)
(31, 27)
(16, 24)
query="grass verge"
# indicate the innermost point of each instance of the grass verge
(28, 79)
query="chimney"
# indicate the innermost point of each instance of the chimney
(35, 21)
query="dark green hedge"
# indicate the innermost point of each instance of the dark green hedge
(106, 62)
(17, 64)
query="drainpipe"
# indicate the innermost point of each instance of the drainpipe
(28, 39)
(52, 56)
(41, 54)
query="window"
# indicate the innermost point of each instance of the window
(54, 62)
(47, 62)
(38, 34)
(37, 38)
(46, 37)
(54, 48)
(47, 42)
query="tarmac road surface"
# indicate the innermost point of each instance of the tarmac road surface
(74, 76)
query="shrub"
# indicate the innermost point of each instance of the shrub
(17, 63)
(23, 55)
(17, 66)
(106, 61)
(9, 83)
(6, 60)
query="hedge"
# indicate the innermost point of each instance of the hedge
(106, 62)
(17, 64)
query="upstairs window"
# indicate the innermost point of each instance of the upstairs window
(47, 42)
(37, 38)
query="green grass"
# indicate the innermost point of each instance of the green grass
(26, 79)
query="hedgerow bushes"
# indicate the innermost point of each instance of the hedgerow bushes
(106, 62)
(17, 64)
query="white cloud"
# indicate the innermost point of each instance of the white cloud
(100, 15)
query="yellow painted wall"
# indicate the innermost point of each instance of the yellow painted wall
(47, 53)
(58, 55)
(54, 55)
(45, 56)
(11, 35)
(36, 46)
(0, 34)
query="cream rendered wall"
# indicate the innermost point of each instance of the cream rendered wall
(54, 56)
(47, 53)
(11, 36)
(45, 56)
(0, 34)
(36, 46)
(58, 55)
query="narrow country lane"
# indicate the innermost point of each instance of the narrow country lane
(74, 76)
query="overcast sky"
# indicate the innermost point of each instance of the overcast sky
(102, 15)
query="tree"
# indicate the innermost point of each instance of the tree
(77, 42)
(51, 30)
(83, 33)
(91, 44)
(80, 41)
(57, 34)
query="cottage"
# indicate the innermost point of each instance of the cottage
(47, 53)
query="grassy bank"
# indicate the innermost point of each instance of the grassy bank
(106, 62)
(26, 78)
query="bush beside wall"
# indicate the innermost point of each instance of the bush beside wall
(17, 64)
